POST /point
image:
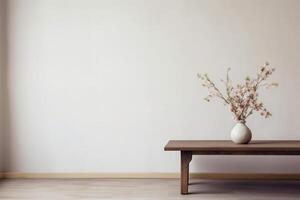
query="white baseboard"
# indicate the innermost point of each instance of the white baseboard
(233, 176)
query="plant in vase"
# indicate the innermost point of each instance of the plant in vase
(241, 99)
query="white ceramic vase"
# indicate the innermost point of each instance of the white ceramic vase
(241, 134)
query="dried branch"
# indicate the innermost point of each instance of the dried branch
(242, 99)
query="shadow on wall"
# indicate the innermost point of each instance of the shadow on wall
(4, 106)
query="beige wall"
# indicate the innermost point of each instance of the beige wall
(101, 86)
(2, 77)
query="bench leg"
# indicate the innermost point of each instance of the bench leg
(186, 158)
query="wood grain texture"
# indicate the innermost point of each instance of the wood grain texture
(226, 147)
(188, 148)
(186, 158)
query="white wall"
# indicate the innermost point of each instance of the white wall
(101, 86)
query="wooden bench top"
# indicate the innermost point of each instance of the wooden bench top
(260, 147)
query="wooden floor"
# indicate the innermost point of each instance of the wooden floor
(123, 189)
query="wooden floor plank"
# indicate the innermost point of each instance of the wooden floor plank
(156, 189)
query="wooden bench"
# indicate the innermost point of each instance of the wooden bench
(188, 148)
